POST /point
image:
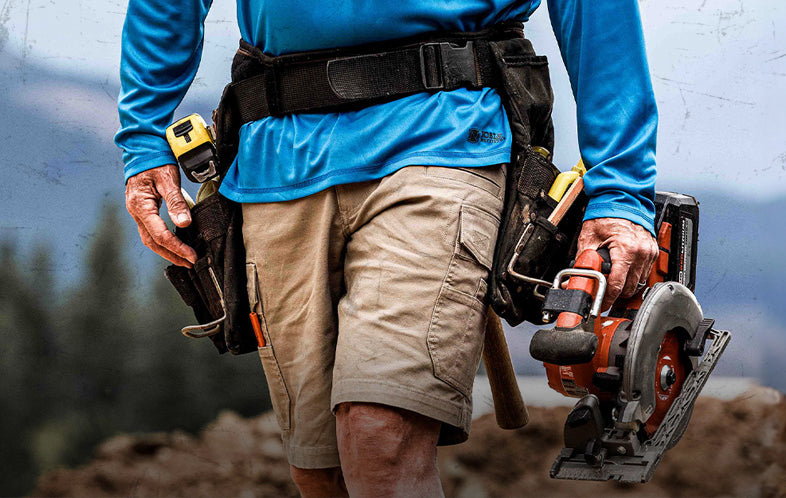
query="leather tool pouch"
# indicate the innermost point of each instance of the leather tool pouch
(529, 245)
(215, 288)
(216, 235)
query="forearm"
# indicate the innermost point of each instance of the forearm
(161, 50)
(603, 49)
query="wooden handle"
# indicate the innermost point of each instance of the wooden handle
(567, 201)
(509, 407)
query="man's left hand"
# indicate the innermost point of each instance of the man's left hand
(632, 248)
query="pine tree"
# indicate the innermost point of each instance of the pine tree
(97, 339)
(25, 363)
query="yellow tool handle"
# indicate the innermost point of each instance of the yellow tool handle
(565, 180)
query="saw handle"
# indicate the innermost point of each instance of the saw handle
(605, 255)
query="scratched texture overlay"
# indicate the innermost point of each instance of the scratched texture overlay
(719, 73)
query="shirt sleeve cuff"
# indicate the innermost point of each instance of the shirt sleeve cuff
(605, 207)
(139, 164)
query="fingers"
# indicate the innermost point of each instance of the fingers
(620, 265)
(148, 241)
(164, 239)
(647, 255)
(143, 198)
(635, 275)
(633, 251)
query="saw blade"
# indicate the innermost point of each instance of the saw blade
(640, 467)
(672, 369)
(693, 385)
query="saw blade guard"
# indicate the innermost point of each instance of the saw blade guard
(667, 307)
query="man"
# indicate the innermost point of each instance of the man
(369, 234)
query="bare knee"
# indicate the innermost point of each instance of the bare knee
(377, 432)
(382, 444)
(318, 482)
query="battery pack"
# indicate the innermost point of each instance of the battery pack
(681, 211)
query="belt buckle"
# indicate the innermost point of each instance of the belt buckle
(455, 65)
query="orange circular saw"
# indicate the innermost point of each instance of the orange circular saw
(638, 370)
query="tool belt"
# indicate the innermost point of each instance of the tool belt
(529, 248)
(351, 78)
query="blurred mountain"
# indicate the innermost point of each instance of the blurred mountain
(59, 160)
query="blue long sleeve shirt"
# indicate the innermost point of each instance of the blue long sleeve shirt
(284, 158)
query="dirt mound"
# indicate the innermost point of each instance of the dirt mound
(732, 448)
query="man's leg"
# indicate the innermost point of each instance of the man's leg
(318, 483)
(295, 275)
(411, 323)
(387, 451)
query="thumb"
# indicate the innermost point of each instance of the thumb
(176, 204)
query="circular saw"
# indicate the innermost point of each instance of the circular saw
(639, 370)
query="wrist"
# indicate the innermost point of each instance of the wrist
(602, 207)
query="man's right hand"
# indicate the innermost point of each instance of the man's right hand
(144, 193)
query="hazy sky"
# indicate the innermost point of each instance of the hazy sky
(718, 67)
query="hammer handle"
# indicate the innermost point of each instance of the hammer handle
(509, 407)
(567, 201)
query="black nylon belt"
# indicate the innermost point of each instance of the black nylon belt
(356, 77)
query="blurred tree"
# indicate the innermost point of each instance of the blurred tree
(187, 381)
(105, 359)
(99, 317)
(26, 305)
(15, 460)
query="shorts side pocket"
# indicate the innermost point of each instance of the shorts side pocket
(455, 337)
(279, 395)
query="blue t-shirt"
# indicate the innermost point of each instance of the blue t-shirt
(284, 158)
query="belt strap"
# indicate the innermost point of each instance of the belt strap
(356, 77)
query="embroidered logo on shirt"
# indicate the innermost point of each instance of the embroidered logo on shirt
(482, 136)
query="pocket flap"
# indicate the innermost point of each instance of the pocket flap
(478, 233)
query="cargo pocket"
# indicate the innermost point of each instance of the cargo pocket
(279, 395)
(455, 337)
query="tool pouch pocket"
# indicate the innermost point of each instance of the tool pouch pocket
(528, 244)
(215, 288)
(531, 250)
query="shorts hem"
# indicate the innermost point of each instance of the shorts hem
(455, 414)
(312, 457)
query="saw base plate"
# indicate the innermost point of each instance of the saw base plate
(639, 467)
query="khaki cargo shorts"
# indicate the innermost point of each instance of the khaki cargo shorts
(374, 292)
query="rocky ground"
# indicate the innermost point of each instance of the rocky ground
(732, 448)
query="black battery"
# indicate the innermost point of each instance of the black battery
(681, 211)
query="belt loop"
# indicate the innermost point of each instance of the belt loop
(272, 87)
